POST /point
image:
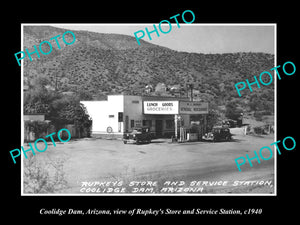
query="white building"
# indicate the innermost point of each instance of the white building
(121, 113)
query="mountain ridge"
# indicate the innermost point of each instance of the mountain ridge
(101, 64)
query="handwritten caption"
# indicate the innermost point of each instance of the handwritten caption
(166, 187)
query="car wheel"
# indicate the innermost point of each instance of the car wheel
(125, 142)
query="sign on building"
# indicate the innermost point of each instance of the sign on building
(175, 107)
(193, 107)
(161, 107)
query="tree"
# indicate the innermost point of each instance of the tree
(255, 103)
(232, 111)
(76, 114)
(38, 97)
(68, 110)
(82, 120)
(84, 95)
(213, 118)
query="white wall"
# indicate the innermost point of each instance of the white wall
(105, 114)
(102, 112)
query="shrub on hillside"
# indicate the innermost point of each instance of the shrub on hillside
(39, 128)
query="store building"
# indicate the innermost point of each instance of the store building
(121, 113)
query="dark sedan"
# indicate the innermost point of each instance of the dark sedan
(218, 134)
(138, 135)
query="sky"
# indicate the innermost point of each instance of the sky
(197, 38)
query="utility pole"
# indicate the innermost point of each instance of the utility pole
(176, 125)
(191, 87)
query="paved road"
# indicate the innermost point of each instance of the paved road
(98, 160)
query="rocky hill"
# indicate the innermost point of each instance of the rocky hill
(99, 64)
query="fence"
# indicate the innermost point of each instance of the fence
(39, 129)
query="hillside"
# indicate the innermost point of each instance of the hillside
(98, 64)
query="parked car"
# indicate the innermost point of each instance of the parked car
(218, 134)
(138, 135)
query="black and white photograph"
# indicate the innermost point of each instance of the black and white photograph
(144, 109)
(149, 111)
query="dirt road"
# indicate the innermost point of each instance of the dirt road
(194, 167)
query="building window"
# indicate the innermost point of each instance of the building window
(120, 117)
(131, 123)
(170, 124)
(135, 102)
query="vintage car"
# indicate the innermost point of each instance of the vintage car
(218, 134)
(138, 135)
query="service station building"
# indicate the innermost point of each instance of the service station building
(121, 113)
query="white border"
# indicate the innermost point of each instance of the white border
(22, 111)
(143, 24)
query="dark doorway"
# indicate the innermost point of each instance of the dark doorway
(158, 128)
(126, 123)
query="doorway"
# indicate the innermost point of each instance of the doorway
(158, 128)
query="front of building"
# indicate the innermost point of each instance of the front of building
(121, 113)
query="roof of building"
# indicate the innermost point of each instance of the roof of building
(151, 96)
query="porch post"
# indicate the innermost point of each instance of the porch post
(175, 121)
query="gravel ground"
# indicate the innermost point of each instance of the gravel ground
(99, 160)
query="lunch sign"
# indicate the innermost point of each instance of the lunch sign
(175, 107)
